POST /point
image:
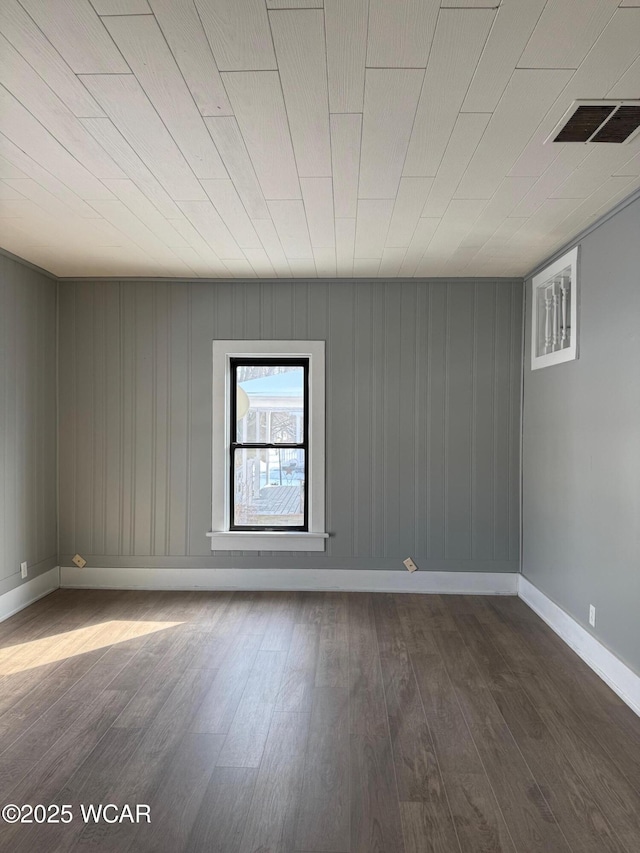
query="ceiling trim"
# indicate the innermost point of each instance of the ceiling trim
(500, 279)
(7, 254)
(635, 195)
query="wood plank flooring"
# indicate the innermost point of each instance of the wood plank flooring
(311, 723)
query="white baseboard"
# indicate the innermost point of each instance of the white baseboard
(620, 678)
(348, 580)
(25, 594)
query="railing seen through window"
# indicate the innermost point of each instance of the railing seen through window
(269, 453)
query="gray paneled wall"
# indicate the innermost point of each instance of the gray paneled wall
(423, 391)
(27, 423)
(581, 449)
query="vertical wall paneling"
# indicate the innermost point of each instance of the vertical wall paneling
(415, 370)
(20, 309)
(340, 418)
(67, 445)
(50, 404)
(319, 328)
(128, 418)
(113, 424)
(391, 450)
(459, 410)
(408, 428)
(199, 506)
(361, 443)
(252, 297)
(28, 523)
(515, 436)
(179, 418)
(39, 448)
(422, 423)
(301, 309)
(99, 413)
(502, 381)
(282, 317)
(483, 426)
(85, 356)
(144, 432)
(437, 371)
(378, 356)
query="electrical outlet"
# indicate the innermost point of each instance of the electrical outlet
(79, 561)
(592, 616)
(23, 569)
(411, 566)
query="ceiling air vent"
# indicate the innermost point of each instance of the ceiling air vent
(598, 121)
(620, 126)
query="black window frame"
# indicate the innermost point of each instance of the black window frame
(304, 363)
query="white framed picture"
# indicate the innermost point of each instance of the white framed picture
(554, 312)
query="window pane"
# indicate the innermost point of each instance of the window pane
(270, 403)
(269, 487)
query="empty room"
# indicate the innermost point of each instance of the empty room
(320, 426)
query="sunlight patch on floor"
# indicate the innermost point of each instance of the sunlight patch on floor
(51, 649)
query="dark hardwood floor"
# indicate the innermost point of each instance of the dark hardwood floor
(310, 723)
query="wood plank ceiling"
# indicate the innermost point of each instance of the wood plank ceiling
(274, 138)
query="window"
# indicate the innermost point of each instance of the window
(554, 315)
(269, 432)
(268, 446)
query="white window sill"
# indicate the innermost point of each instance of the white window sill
(266, 540)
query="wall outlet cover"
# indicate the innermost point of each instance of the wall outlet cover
(79, 561)
(411, 566)
(592, 616)
(23, 569)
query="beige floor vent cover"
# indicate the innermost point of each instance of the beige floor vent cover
(598, 121)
